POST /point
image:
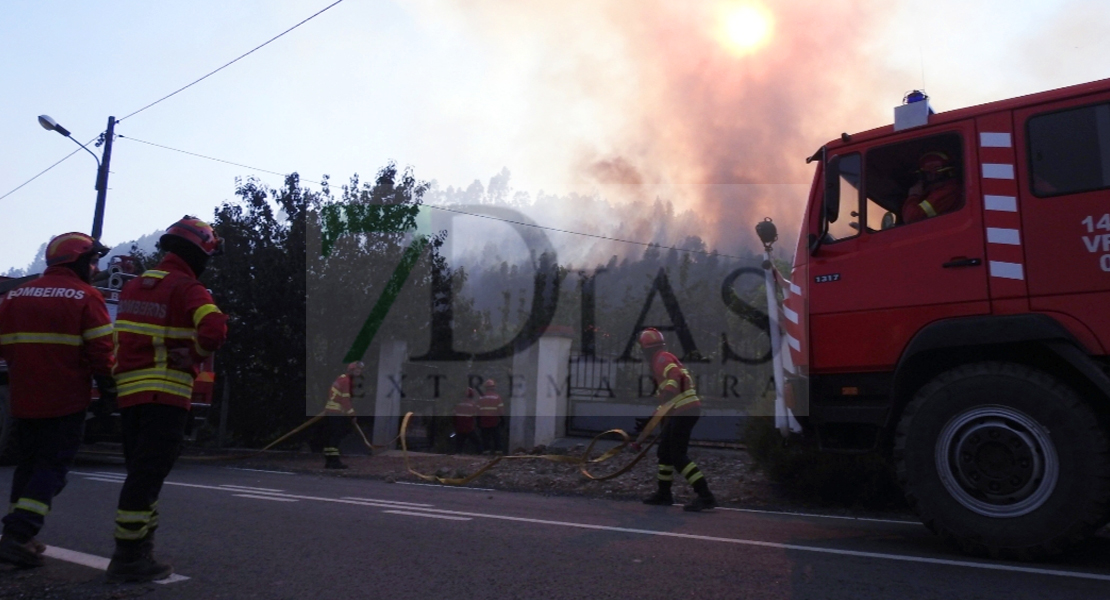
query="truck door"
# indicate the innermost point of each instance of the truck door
(886, 277)
(1064, 152)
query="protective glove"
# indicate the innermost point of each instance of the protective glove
(106, 404)
(181, 358)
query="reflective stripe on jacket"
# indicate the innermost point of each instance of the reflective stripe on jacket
(166, 325)
(55, 334)
(490, 409)
(339, 398)
(673, 382)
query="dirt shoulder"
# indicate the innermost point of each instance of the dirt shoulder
(732, 475)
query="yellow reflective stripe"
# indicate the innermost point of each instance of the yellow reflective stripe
(123, 533)
(690, 467)
(202, 312)
(95, 332)
(31, 505)
(668, 382)
(176, 333)
(155, 386)
(201, 351)
(133, 516)
(155, 373)
(156, 274)
(692, 480)
(333, 406)
(685, 398)
(336, 392)
(40, 338)
(667, 369)
(928, 208)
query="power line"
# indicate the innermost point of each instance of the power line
(220, 160)
(452, 210)
(592, 235)
(45, 170)
(231, 63)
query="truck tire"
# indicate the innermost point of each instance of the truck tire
(1004, 461)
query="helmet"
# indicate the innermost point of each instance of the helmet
(198, 233)
(935, 165)
(489, 384)
(355, 365)
(69, 247)
(651, 338)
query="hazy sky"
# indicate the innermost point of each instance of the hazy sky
(710, 104)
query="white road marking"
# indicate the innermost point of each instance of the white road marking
(248, 488)
(815, 515)
(447, 487)
(260, 470)
(416, 514)
(389, 501)
(104, 479)
(736, 541)
(274, 498)
(95, 562)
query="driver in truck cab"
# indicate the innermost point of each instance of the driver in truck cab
(938, 189)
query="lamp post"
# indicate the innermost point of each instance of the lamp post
(101, 164)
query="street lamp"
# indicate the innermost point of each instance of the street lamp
(50, 124)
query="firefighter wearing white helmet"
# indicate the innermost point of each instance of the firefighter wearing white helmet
(675, 388)
(340, 413)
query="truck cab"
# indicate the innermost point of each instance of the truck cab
(967, 332)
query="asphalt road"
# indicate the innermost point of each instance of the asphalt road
(234, 533)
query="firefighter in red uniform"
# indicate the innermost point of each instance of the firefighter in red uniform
(937, 191)
(340, 414)
(166, 325)
(490, 410)
(56, 336)
(466, 413)
(675, 387)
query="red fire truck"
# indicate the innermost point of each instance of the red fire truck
(969, 339)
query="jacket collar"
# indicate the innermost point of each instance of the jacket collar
(61, 271)
(176, 264)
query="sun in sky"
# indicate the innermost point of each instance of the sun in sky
(745, 28)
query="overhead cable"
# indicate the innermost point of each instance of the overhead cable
(456, 211)
(45, 170)
(179, 90)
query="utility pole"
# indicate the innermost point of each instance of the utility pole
(102, 179)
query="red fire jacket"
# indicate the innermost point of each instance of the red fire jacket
(673, 382)
(936, 200)
(55, 334)
(490, 409)
(339, 399)
(166, 325)
(465, 411)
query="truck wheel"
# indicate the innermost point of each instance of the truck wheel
(1004, 461)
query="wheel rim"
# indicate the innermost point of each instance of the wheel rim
(997, 461)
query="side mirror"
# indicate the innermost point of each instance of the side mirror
(832, 189)
(889, 220)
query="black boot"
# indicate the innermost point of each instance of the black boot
(21, 554)
(701, 502)
(134, 561)
(333, 462)
(662, 496)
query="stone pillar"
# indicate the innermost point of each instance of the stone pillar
(539, 413)
(551, 388)
(387, 405)
(522, 404)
